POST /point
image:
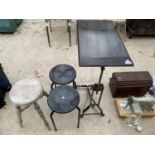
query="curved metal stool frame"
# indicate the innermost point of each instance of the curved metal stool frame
(53, 122)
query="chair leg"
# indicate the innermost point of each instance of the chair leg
(50, 25)
(52, 85)
(19, 115)
(74, 84)
(79, 111)
(69, 31)
(41, 114)
(45, 93)
(51, 115)
(48, 36)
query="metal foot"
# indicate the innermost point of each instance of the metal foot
(101, 111)
(41, 114)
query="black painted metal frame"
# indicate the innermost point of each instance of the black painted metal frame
(91, 89)
(53, 122)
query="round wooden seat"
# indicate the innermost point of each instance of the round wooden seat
(26, 91)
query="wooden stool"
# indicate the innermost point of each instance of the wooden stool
(26, 92)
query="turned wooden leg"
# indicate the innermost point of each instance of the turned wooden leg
(19, 115)
(41, 114)
(45, 93)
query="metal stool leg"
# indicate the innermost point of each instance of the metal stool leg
(69, 31)
(52, 85)
(48, 36)
(41, 114)
(79, 111)
(19, 115)
(51, 115)
(74, 84)
(50, 25)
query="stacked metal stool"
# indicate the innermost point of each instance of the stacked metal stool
(63, 98)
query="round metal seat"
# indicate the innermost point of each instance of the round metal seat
(62, 74)
(63, 99)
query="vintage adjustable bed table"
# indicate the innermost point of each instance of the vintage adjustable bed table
(99, 45)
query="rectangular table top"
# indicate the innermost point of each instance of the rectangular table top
(100, 45)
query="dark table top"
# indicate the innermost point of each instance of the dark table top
(100, 45)
(63, 99)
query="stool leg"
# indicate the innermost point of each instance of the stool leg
(41, 114)
(19, 115)
(52, 85)
(45, 93)
(74, 84)
(50, 25)
(69, 31)
(79, 111)
(48, 36)
(51, 115)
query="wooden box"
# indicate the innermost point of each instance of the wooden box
(123, 84)
(122, 113)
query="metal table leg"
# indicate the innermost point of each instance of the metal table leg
(92, 102)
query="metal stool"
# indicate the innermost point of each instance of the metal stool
(49, 26)
(25, 93)
(62, 74)
(63, 99)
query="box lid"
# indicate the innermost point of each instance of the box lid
(133, 76)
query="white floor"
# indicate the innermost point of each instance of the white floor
(27, 50)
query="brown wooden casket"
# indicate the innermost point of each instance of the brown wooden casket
(123, 84)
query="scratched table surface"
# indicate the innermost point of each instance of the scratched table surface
(100, 45)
